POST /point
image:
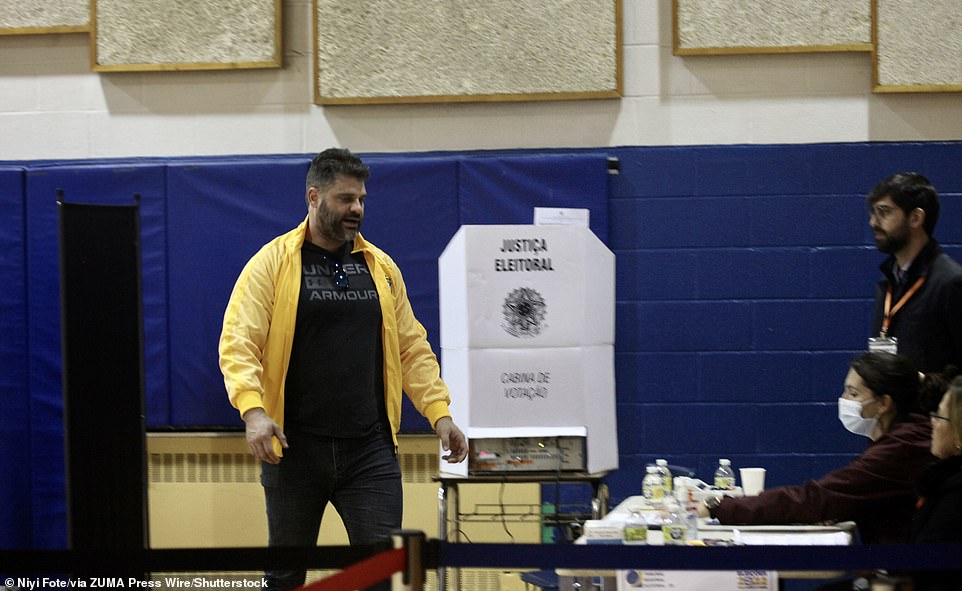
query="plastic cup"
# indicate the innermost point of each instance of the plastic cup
(753, 480)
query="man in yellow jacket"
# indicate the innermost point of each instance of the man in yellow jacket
(319, 340)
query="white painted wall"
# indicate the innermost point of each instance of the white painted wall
(52, 106)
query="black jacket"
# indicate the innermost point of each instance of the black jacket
(929, 326)
(939, 520)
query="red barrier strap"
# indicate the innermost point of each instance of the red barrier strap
(363, 574)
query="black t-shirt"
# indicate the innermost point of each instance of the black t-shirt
(335, 378)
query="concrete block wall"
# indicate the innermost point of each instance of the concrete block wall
(744, 286)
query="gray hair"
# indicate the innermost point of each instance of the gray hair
(326, 166)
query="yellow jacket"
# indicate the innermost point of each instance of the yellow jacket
(258, 332)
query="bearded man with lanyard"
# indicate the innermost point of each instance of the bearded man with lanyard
(918, 305)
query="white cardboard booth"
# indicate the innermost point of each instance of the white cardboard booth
(527, 336)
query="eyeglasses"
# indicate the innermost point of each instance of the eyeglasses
(880, 212)
(337, 272)
(937, 417)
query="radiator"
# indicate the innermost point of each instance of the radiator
(204, 492)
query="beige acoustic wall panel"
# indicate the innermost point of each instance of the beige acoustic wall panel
(918, 45)
(397, 51)
(29, 17)
(142, 35)
(706, 27)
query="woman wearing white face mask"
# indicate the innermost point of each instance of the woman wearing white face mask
(879, 401)
(879, 389)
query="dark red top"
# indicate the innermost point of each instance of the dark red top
(876, 490)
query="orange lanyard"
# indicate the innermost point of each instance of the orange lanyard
(889, 311)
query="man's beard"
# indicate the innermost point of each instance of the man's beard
(891, 243)
(332, 227)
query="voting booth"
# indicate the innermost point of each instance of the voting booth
(527, 348)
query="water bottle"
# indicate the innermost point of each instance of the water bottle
(665, 474)
(681, 488)
(724, 475)
(653, 486)
(691, 520)
(675, 525)
(636, 527)
(684, 494)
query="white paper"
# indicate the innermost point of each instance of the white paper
(561, 216)
(737, 580)
(790, 539)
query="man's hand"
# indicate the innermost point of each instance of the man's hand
(261, 430)
(452, 440)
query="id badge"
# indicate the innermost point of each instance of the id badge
(883, 345)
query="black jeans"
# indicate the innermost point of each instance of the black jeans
(360, 477)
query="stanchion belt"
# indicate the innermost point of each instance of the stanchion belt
(363, 574)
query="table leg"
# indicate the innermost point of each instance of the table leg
(448, 495)
(599, 499)
(442, 531)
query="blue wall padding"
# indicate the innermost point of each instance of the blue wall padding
(219, 214)
(15, 464)
(201, 220)
(227, 208)
(543, 180)
(412, 213)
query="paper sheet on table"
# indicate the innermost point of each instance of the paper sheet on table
(705, 580)
(790, 538)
